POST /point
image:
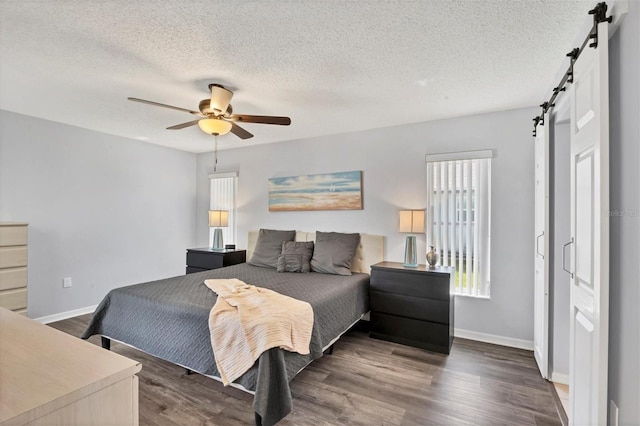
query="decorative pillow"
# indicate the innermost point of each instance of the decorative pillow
(295, 256)
(333, 252)
(269, 247)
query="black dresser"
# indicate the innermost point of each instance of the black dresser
(203, 259)
(412, 306)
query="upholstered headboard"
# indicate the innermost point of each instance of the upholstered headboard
(369, 252)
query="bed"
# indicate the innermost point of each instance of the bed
(169, 319)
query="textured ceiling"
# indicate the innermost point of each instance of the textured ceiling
(332, 66)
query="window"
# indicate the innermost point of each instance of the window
(459, 216)
(223, 187)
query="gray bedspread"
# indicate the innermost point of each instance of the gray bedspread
(169, 319)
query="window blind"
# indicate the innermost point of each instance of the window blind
(223, 188)
(458, 220)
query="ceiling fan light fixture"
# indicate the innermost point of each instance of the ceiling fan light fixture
(214, 126)
(215, 111)
(220, 98)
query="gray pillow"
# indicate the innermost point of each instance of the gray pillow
(333, 252)
(295, 256)
(269, 247)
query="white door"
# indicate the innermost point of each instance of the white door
(541, 283)
(589, 337)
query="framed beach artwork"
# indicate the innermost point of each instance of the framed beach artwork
(329, 191)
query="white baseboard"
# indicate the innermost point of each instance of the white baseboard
(563, 379)
(65, 315)
(494, 339)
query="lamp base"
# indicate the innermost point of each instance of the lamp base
(410, 252)
(217, 239)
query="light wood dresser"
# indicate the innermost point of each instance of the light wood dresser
(13, 266)
(48, 377)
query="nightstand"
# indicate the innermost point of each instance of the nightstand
(203, 259)
(412, 306)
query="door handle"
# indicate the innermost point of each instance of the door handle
(564, 257)
(538, 245)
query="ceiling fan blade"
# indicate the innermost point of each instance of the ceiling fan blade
(198, 113)
(240, 132)
(263, 119)
(183, 125)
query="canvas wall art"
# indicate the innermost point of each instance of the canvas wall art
(329, 191)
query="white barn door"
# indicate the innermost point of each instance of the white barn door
(589, 322)
(541, 263)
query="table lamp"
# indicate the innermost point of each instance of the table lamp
(412, 222)
(218, 219)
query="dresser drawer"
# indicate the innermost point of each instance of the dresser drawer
(11, 257)
(192, 270)
(13, 278)
(421, 334)
(204, 260)
(410, 307)
(433, 286)
(13, 235)
(14, 299)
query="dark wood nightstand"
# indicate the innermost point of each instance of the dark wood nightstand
(203, 259)
(412, 306)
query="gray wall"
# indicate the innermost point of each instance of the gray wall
(624, 297)
(104, 210)
(394, 175)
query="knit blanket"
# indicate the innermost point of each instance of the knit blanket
(248, 320)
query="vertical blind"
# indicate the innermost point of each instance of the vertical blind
(458, 220)
(223, 187)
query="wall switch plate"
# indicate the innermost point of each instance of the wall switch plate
(66, 282)
(613, 414)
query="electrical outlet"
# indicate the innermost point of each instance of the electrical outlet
(66, 282)
(613, 414)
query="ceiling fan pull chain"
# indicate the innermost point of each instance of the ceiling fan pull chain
(215, 153)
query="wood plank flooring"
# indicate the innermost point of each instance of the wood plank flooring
(364, 382)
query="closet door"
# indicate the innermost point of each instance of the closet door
(589, 322)
(541, 245)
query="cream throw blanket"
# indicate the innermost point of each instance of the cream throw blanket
(248, 320)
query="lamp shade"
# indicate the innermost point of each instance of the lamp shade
(214, 126)
(218, 218)
(411, 221)
(220, 98)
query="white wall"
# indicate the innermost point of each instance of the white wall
(394, 177)
(104, 210)
(624, 297)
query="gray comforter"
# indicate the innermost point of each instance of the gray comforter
(169, 319)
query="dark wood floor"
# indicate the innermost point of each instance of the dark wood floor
(364, 382)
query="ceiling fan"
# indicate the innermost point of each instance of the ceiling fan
(216, 115)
